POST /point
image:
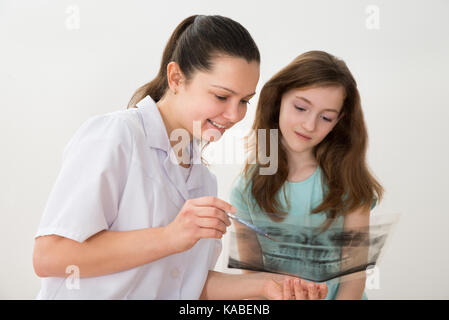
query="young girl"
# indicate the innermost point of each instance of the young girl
(322, 179)
(127, 219)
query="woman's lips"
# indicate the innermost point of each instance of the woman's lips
(304, 137)
(210, 125)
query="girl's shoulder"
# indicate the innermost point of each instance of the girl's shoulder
(241, 189)
(242, 183)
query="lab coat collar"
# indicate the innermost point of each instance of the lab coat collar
(153, 124)
(157, 138)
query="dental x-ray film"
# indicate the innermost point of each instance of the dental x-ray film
(334, 254)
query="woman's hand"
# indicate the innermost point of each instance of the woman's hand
(199, 218)
(278, 287)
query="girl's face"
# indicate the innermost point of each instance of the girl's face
(307, 115)
(215, 100)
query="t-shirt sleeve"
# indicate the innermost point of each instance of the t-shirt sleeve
(85, 197)
(374, 203)
(239, 198)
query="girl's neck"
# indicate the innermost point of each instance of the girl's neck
(301, 165)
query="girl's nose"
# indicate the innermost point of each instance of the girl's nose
(309, 123)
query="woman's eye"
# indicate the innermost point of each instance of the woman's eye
(245, 102)
(300, 108)
(221, 98)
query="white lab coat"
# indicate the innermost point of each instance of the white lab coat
(117, 175)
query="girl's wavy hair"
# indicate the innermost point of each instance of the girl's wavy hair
(342, 153)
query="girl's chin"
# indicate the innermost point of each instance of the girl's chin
(297, 147)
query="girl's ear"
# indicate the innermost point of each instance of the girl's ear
(175, 77)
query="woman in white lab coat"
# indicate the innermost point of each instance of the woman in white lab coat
(133, 213)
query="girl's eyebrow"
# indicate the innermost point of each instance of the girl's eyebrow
(232, 91)
(309, 102)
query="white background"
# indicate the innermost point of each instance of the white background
(64, 61)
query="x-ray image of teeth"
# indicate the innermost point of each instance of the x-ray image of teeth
(304, 252)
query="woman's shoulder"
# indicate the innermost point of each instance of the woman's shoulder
(122, 126)
(110, 122)
(107, 127)
(126, 118)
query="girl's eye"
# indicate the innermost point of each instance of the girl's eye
(327, 119)
(300, 108)
(245, 102)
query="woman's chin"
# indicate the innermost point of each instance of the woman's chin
(207, 136)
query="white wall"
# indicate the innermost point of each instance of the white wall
(64, 61)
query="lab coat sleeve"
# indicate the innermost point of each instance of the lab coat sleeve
(212, 190)
(215, 253)
(86, 195)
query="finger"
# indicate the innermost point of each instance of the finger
(323, 290)
(299, 292)
(313, 291)
(287, 289)
(214, 202)
(212, 212)
(305, 289)
(211, 223)
(208, 233)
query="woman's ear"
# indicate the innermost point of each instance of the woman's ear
(175, 77)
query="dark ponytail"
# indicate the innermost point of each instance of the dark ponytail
(193, 44)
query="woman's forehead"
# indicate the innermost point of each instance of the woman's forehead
(235, 75)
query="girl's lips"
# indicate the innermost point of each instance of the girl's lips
(302, 136)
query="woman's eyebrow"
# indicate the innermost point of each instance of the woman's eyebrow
(309, 102)
(232, 91)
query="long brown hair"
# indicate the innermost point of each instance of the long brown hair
(342, 153)
(193, 44)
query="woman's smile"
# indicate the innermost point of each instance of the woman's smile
(215, 126)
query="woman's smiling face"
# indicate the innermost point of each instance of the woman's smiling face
(307, 115)
(217, 99)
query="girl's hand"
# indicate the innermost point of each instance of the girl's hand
(289, 288)
(199, 218)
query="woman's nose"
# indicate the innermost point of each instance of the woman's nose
(234, 113)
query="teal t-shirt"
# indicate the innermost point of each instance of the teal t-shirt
(303, 197)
